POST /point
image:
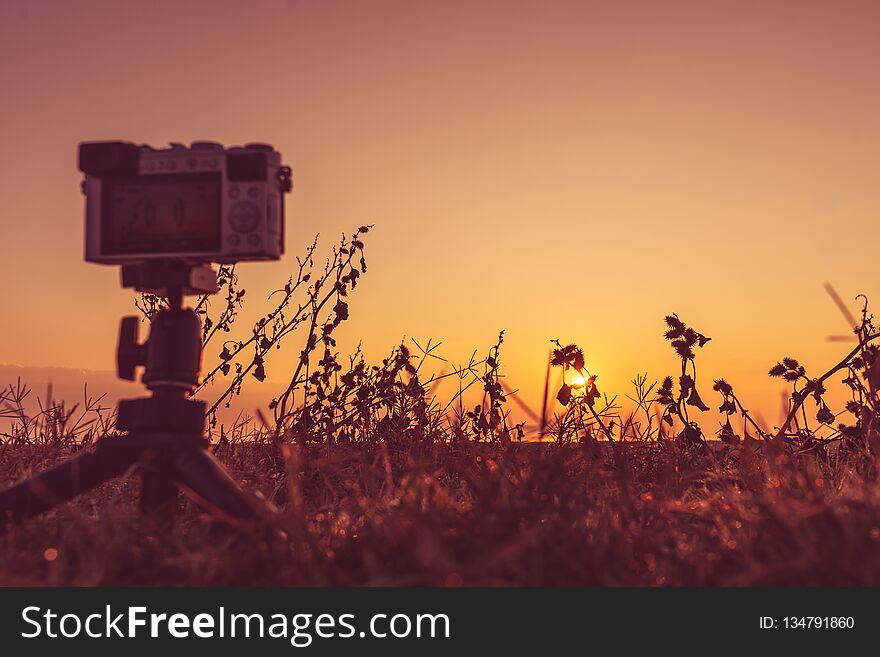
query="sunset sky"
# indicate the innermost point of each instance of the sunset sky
(570, 170)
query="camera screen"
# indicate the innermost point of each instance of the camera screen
(161, 214)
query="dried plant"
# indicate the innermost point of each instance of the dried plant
(53, 423)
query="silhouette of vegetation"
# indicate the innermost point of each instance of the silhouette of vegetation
(380, 480)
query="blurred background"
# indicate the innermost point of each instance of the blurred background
(570, 170)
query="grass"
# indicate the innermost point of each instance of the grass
(477, 514)
(378, 482)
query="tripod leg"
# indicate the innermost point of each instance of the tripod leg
(158, 490)
(65, 481)
(206, 481)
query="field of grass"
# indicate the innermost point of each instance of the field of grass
(475, 514)
(376, 481)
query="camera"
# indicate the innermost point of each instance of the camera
(199, 203)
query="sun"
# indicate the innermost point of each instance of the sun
(578, 381)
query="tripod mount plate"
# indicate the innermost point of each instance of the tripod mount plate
(159, 277)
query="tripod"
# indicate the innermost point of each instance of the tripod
(163, 437)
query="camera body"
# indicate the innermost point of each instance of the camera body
(199, 203)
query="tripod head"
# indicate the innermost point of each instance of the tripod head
(172, 355)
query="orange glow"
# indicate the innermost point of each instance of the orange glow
(717, 160)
